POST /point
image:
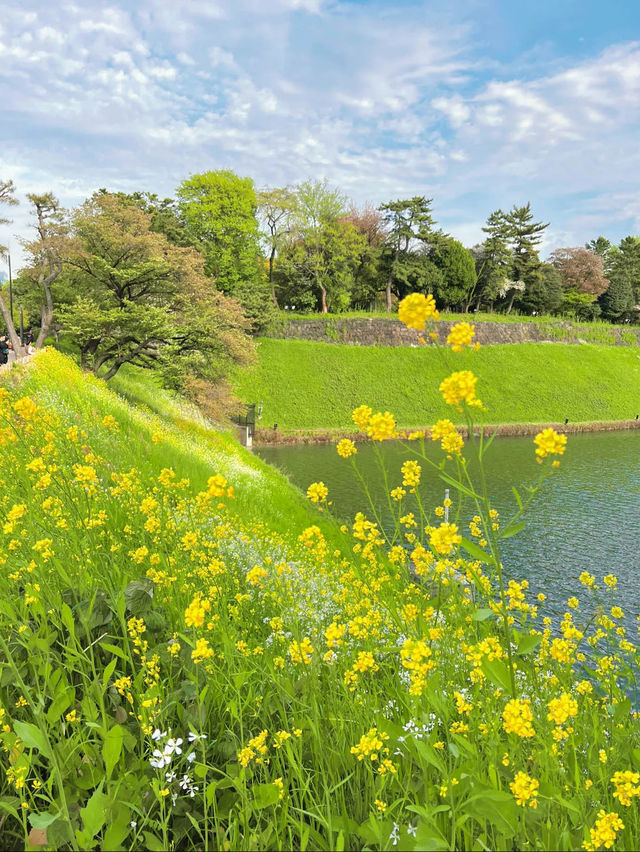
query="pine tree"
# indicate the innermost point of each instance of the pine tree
(525, 235)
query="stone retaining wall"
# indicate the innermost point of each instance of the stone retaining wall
(378, 331)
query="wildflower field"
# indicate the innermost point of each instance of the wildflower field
(182, 667)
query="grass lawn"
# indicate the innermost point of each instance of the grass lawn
(304, 385)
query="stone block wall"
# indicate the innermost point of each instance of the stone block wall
(378, 331)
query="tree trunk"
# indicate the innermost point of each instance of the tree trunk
(323, 294)
(388, 294)
(11, 329)
(273, 289)
(46, 310)
(513, 295)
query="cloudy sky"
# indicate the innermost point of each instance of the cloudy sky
(477, 103)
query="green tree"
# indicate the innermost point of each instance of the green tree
(409, 226)
(545, 292)
(493, 259)
(458, 270)
(623, 269)
(525, 235)
(276, 208)
(139, 299)
(219, 213)
(315, 225)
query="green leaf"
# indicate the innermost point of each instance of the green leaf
(426, 838)
(497, 807)
(106, 675)
(32, 737)
(118, 828)
(93, 816)
(482, 614)
(476, 551)
(113, 649)
(265, 795)
(429, 755)
(623, 709)
(497, 672)
(112, 748)
(152, 843)
(511, 530)
(43, 820)
(60, 704)
(139, 595)
(459, 486)
(517, 496)
(527, 643)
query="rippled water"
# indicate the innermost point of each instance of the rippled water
(584, 519)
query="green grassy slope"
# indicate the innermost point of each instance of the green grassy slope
(305, 385)
(186, 442)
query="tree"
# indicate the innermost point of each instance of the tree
(600, 246)
(142, 300)
(219, 212)
(46, 253)
(545, 292)
(7, 196)
(458, 270)
(409, 222)
(582, 270)
(524, 236)
(318, 209)
(275, 208)
(369, 222)
(493, 259)
(623, 270)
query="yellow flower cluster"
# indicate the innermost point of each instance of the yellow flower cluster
(414, 310)
(460, 387)
(626, 784)
(549, 443)
(517, 718)
(525, 790)
(202, 651)
(301, 652)
(563, 708)
(411, 471)
(444, 538)
(361, 416)
(604, 831)
(370, 744)
(381, 426)
(461, 335)
(346, 448)
(317, 492)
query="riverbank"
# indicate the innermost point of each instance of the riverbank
(272, 437)
(307, 387)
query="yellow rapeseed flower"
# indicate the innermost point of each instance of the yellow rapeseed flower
(414, 310)
(461, 335)
(346, 448)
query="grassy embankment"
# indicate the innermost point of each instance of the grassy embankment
(176, 675)
(315, 386)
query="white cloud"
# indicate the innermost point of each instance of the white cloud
(374, 96)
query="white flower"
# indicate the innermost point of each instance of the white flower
(173, 747)
(191, 757)
(133, 823)
(193, 737)
(185, 782)
(395, 833)
(412, 830)
(159, 760)
(158, 734)
(193, 791)
(170, 776)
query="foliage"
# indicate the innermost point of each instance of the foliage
(176, 674)
(140, 299)
(219, 211)
(458, 272)
(581, 270)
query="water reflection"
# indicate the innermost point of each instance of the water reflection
(584, 519)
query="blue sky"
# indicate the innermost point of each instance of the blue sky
(476, 104)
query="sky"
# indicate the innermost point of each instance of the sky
(478, 104)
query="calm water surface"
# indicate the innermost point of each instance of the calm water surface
(584, 519)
